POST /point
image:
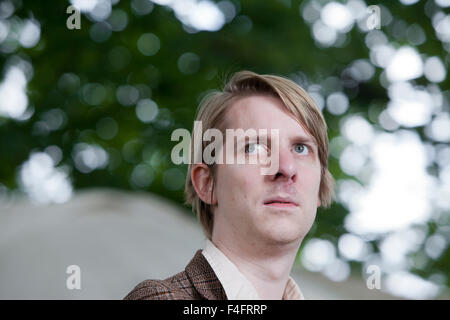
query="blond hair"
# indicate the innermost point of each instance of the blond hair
(211, 112)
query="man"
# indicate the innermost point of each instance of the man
(254, 222)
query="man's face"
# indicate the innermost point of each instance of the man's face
(248, 208)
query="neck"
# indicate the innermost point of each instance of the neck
(266, 266)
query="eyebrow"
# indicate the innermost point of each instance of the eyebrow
(305, 139)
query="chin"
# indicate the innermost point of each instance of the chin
(283, 236)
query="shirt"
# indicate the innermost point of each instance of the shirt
(235, 284)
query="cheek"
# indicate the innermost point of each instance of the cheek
(248, 178)
(238, 183)
(227, 182)
(310, 177)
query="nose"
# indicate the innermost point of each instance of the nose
(286, 166)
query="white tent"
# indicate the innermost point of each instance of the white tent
(117, 239)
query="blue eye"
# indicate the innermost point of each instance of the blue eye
(250, 148)
(300, 147)
(255, 148)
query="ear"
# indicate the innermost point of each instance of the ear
(203, 182)
(318, 203)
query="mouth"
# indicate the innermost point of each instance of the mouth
(280, 202)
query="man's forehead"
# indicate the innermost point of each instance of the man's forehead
(245, 115)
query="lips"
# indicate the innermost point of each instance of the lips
(281, 202)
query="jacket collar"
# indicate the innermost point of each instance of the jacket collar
(204, 279)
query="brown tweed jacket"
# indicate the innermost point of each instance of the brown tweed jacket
(198, 281)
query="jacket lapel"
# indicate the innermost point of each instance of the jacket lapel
(204, 279)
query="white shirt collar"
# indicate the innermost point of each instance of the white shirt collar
(235, 284)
